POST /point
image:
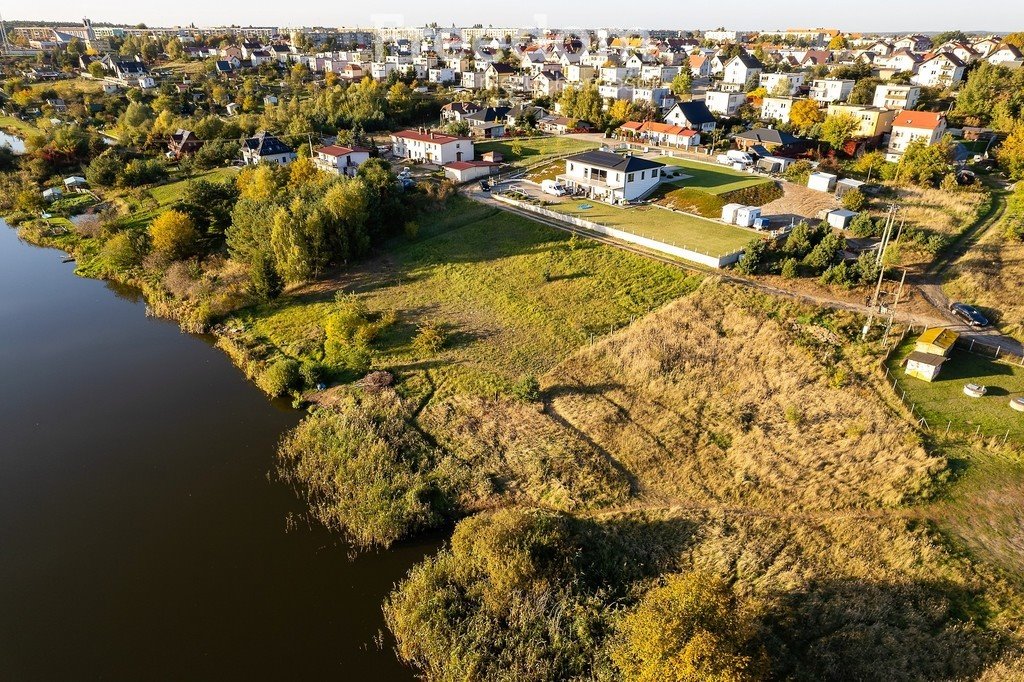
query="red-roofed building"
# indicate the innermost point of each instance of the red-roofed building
(465, 171)
(909, 126)
(661, 134)
(426, 145)
(340, 160)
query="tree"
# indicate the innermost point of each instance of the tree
(96, 70)
(619, 111)
(826, 253)
(1011, 153)
(956, 36)
(104, 169)
(870, 163)
(838, 43)
(925, 164)
(690, 629)
(805, 113)
(863, 92)
(173, 234)
(855, 200)
(838, 129)
(682, 83)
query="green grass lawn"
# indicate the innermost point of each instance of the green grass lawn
(943, 401)
(17, 126)
(170, 192)
(535, 150)
(679, 229)
(480, 272)
(716, 180)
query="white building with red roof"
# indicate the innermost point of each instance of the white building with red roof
(909, 126)
(432, 147)
(340, 160)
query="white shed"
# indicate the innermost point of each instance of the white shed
(823, 182)
(846, 184)
(841, 218)
(745, 216)
(729, 212)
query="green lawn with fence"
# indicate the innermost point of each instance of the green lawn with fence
(669, 227)
(529, 151)
(712, 179)
(943, 403)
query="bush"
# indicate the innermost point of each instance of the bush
(430, 338)
(863, 225)
(279, 377)
(122, 252)
(312, 373)
(855, 200)
(758, 195)
(527, 389)
(142, 172)
(104, 169)
(264, 282)
(789, 268)
(798, 172)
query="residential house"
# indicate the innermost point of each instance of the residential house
(659, 97)
(893, 96)
(694, 115)
(724, 103)
(944, 70)
(472, 80)
(776, 108)
(467, 171)
(183, 143)
(909, 126)
(700, 66)
(740, 68)
(913, 43)
(770, 139)
(426, 145)
(498, 75)
(260, 57)
(441, 75)
(580, 73)
(829, 90)
(900, 61)
(874, 121)
(784, 84)
(340, 160)
(457, 111)
(488, 122)
(661, 134)
(1005, 55)
(560, 125)
(265, 148)
(613, 178)
(548, 84)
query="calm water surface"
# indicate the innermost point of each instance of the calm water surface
(140, 534)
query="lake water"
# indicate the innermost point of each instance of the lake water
(16, 144)
(141, 536)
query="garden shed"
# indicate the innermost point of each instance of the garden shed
(840, 218)
(846, 184)
(924, 365)
(937, 341)
(729, 212)
(823, 182)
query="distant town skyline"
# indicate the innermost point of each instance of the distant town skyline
(865, 16)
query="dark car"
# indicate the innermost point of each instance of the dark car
(484, 186)
(969, 314)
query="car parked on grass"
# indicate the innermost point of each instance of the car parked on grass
(968, 314)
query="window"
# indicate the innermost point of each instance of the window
(629, 178)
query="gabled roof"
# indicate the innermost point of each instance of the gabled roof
(768, 135)
(949, 56)
(336, 150)
(489, 114)
(265, 144)
(616, 162)
(696, 112)
(749, 61)
(925, 120)
(501, 68)
(437, 138)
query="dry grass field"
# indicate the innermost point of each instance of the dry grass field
(991, 276)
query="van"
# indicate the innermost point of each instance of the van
(553, 187)
(736, 156)
(724, 160)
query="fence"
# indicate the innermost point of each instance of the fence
(679, 252)
(996, 353)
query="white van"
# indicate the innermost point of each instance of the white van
(553, 187)
(736, 156)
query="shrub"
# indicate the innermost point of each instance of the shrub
(104, 169)
(412, 229)
(279, 377)
(758, 195)
(798, 172)
(855, 200)
(141, 172)
(122, 252)
(527, 389)
(264, 282)
(312, 373)
(789, 268)
(430, 338)
(863, 225)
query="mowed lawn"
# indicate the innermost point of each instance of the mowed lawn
(515, 297)
(711, 179)
(943, 401)
(534, 150)
(670, 227)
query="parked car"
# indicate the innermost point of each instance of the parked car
(485, 186)
(968, 314)
(737, 156)
(553, 187)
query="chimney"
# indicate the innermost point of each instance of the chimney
(431, 134)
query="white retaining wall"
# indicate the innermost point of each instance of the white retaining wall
(646, 242)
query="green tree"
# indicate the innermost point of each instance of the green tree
(1011, 153)
(855, 200)
(838, 129)
(691, 629)
(682, 84)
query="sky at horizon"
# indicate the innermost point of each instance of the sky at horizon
(866, 15)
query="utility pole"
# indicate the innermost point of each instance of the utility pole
(880, 261)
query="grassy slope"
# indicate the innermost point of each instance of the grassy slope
(991, 276)
(479, 271)
(710, 179)
(17, 126)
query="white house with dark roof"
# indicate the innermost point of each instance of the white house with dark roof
(265, 148)
(612, 178)
(724, 103)
(896, 96)
(829, 90)
(740, 68)
(694, 115)
(942, 70)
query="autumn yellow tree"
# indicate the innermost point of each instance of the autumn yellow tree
(619, 110)
(173, 234)
(805, 113)
(691, 629)
(1011, 153)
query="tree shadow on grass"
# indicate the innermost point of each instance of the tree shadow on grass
(863, 630)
